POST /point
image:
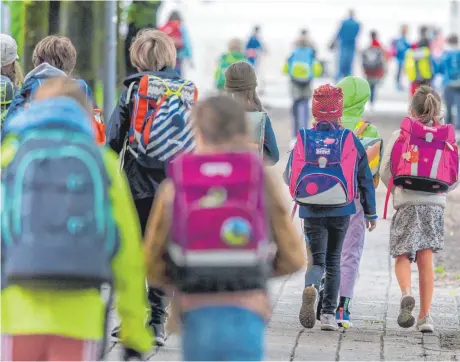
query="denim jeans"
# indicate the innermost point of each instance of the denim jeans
(373, 88)
(452, 98)
(301, 114)
(223, 333)
(398, 74)
(326, 236)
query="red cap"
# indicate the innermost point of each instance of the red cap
(327, 104)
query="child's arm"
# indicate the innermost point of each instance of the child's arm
(290, 256)
(271, 151)
(365, 182)
(118, 125)
(287, 170)
(156, 234)
(128, 264)
(385, 171)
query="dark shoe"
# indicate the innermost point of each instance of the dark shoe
(115, 332)
(159, 333)
(307, 311)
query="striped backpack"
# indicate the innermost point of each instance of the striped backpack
(160, 127)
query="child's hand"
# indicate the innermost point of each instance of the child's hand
(371, 224)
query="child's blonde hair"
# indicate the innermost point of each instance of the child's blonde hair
(241, 83)
(426, 104)
(220, 120)
(63, 87)
(152, 50)
(235, 45)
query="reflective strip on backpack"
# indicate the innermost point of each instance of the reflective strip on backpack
(435, 166)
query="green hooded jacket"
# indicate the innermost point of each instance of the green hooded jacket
(356, 93)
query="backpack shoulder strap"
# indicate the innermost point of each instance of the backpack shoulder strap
(361, 128)
(129, 92)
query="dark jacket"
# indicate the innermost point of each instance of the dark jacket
(142, 181)
(365, 188)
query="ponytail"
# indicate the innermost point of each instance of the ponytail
(426, 105)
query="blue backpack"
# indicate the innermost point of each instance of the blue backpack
(453, 68)
(58, 229)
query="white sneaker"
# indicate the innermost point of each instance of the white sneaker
(328, 322)
(425, 324)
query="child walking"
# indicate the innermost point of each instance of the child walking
(218, 262)
(326, 206)
(417, 228)
(241, 84)
(356, 92)
(72, 229)
(234, 54)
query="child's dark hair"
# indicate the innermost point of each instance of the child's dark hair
(426, 104)
(241, 83)
(374, 34)
(220, 120)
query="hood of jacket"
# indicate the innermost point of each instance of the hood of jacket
(356, 93)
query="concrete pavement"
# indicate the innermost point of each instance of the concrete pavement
(375, 334)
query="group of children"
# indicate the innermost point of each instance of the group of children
(209, 210)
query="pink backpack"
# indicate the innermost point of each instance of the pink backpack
(219, 236)
(323, 168)
(423, 158)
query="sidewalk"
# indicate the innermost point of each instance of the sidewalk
(375, 334)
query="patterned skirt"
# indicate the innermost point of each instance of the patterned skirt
(417, 227)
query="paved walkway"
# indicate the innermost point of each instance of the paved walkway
(375, 335)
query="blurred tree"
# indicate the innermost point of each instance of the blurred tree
(81, 32)
(36, 28)
(17, 24)
(54, 17)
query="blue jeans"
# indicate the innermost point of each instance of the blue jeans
(346, 57)
(373, 87)
(452, 98)
(399, 73)
(301, 114)
(223, 333)
(326, 236)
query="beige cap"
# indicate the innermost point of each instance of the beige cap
(9, 49)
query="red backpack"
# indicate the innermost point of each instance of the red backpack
(173, 30)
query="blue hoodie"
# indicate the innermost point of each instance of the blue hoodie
(33, 81)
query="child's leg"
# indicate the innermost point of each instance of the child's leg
(407, 304)
(352, 251)
(337, 228)
(402, 271)
(71, 349)
(24, 348)
(426, 280)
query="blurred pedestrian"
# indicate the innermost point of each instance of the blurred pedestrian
(234, 54)
(419, 63)
(346, 39)
(176, 29)
(10, 60)
(78, 230)
(374, 64)
(449, 67)
(219, 278)
(400, 47)
(254, 47)
(301, 67)
(144, 158)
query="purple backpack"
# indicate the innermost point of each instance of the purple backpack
(219, 235)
